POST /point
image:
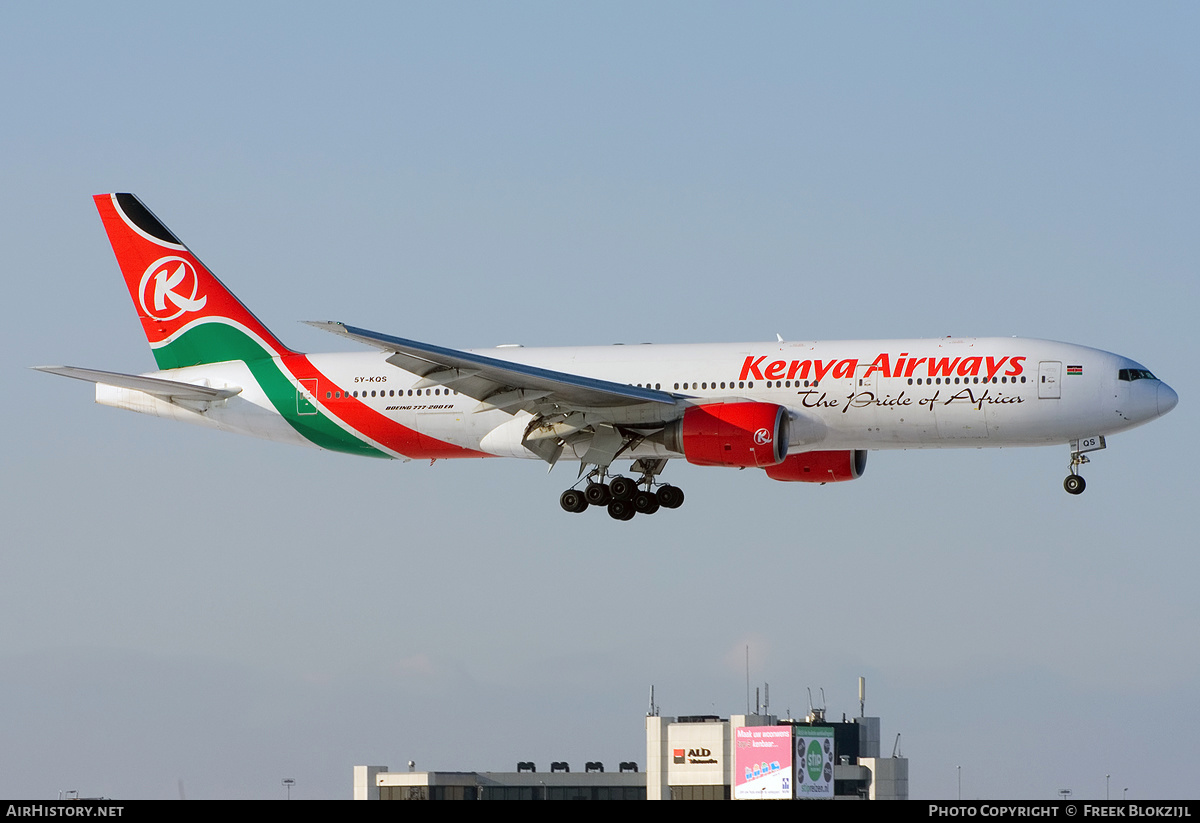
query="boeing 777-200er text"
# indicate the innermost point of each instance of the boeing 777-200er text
(802, 411)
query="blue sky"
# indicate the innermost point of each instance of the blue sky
(187, 609)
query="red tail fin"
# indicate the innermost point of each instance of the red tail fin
(187, 313)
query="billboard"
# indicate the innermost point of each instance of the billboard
(762, 763)
(698, 754)
(813, 773)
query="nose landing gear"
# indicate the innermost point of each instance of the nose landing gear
(1074, 483)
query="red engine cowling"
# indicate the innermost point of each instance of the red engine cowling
(820, 467)
(743, 435)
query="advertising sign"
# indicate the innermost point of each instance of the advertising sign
(762, 763)
(813, 775)
(698, 754)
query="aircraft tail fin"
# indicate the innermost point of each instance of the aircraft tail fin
(188, 315)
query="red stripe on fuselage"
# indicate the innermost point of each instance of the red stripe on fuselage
(371, 424)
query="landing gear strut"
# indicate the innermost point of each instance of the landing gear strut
(1075, 484)
(623, 496)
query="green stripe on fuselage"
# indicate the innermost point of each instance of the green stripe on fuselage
(208, 342)
(217, 342)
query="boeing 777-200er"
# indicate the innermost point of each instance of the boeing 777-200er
(801, 411)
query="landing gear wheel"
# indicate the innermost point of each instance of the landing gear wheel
(597, 494)
(1074, 484)
(670, 497)
(621, 510)
(645, 503)
(622, 488)
(573, 501)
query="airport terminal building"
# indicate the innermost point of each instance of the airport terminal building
(700, 757)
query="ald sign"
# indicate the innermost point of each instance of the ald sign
(694, 756)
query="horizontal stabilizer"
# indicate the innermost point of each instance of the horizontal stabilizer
(166, 389)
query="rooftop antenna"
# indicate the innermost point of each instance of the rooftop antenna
(896, 746)
(653, 712)
(766, 698)
(816, 715)
(747, 678)
(862, 697)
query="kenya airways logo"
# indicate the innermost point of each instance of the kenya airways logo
(756, 368)
(175, 289)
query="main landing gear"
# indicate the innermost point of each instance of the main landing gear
(622, 496)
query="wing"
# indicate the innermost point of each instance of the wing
(565, 408)
(500, 384)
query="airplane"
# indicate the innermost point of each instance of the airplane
(802, 411)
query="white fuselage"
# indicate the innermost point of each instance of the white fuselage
(864, 394)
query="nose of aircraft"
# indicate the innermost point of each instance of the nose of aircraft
(1167, 398)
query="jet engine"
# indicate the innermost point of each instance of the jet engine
(820, 467)
(741, 435)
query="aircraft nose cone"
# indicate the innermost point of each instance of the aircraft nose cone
(1167, 398)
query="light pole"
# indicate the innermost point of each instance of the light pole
(288, 782)
(1106, 785)
(959, 781)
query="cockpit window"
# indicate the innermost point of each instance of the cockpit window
(1135, 374)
